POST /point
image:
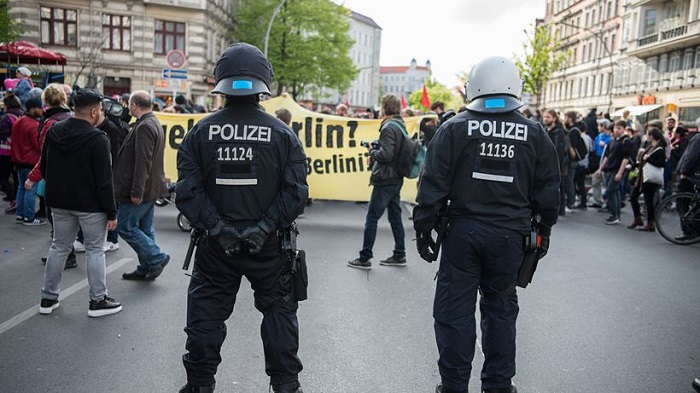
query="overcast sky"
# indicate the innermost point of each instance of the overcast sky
(453, 34)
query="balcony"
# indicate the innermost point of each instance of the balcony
(668, 36)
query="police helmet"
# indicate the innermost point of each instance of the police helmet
(494, 86)
(242, 70)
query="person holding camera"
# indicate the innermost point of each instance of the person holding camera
(488, 170)
(242, 181)
(386, 184)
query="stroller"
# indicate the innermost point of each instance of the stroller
(182, 222)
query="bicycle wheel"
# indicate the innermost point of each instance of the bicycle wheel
(678, 218)
(183, 223)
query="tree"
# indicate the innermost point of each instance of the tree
(10, 29)
(543, 56)
(308, 45)
(436, 92)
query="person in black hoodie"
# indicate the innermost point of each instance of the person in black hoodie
(76, 165)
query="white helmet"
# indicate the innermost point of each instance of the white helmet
(494, 86)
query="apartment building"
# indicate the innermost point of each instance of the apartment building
(590, 31)
(661, 43)
(125, 45)
(636, 55)
(404, 80)
(364, 91)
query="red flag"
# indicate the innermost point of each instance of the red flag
(424, 100)
(347, 101)
(403, 102)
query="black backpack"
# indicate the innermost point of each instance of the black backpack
(411, 154)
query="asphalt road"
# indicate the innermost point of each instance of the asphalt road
(610, 310)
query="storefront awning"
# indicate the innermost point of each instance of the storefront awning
(636, 110)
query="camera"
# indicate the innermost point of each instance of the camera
(112, 107)
(373, 145)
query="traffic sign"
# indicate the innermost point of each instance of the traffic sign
(174, 74)
(176, 58)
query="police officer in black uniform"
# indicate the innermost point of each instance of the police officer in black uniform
(242, 179)
(497, 169)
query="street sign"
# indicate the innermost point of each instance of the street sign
(174, 74)
(175, 58)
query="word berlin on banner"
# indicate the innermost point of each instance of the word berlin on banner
(336, 163)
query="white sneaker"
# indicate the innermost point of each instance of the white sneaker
(109, 246)
(78, 246)
(567, 210)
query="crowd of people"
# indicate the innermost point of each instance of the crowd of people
(606, 163)
(97, 178)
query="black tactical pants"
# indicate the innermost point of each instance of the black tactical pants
(477, 255)
(215, 281)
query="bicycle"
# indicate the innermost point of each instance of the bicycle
(678, 217)
(182, 222)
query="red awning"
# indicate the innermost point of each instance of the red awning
(23, 52)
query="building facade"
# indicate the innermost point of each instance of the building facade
(364, 91)
(589, 31)
(122, 46)
(661, 41)
(636, 55)
(404, 80)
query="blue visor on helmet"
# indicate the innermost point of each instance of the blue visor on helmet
(241, 85)
(494, 103)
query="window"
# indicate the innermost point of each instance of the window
(688, 59)
(116, 32)
(649, 22)
(168, 36)
(674, 63)
(59, 26)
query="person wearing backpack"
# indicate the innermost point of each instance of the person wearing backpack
(386, 180)
(13, 112)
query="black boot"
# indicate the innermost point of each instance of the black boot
(191, 389)
(511, 389)
(295, 390)
(440, 389)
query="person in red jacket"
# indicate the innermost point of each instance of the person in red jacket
(55, 97)
(25, 155)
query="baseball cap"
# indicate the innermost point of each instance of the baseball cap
(603, 122)
(24, 71)
(242, 69)
(33, 103)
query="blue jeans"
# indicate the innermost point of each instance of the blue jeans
(136, 228)
(26, 199)
(612, 190)
(383, 198)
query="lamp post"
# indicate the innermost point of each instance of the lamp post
(269, 25)
(598, 36)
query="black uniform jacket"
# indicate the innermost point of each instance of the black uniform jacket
(689, 164)
(241, 165)
(498, 168)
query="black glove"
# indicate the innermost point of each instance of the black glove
(230, 240)
(544, 231)
(426, 246)
(254, 238)
(543, 246)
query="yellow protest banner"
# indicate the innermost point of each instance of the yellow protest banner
(337, 163)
